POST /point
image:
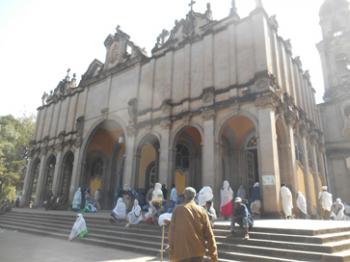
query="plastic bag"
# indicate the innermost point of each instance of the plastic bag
(164, 219)
(79, 228)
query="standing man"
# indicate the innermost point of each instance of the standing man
(326, 201)
(190, 233)
(287, 201)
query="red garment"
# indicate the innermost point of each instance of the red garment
(226, 210)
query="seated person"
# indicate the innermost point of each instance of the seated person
(210, 211)
(242, 217)
(119, 211)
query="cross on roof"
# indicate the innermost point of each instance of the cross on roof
(191, 4)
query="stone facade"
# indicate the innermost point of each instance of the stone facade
(216, 100)
(335, 111)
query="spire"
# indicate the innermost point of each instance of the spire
(258, 3)
(191, 4)
(233, 8)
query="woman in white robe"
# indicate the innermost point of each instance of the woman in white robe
(226, 194)
(76, 200)
(287, 201)
(135, 215)
(301, 204)
(338, 210)
(119, 212)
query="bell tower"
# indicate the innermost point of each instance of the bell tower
(335, 47)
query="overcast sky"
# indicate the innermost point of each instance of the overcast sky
(40, 39)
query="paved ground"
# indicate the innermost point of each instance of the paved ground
(16, 246)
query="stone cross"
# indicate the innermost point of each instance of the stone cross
(191, 4)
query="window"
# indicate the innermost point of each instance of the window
(182, 157)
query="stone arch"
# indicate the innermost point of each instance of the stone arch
(237, 162)
(103, 160)
(147, 162)
(187, 173)
(66, 176)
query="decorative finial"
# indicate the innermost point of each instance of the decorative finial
(67, 76)
(117, 28)
(258, 3)
(233, 8)
(191, 4)
(208, 12)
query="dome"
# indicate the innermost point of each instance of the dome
(333, 6)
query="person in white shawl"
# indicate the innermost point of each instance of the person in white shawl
(135, 215)
(338, 210)
(157, 194)
(119, 211)
(226, 194)
(301, 204)
(326, 201)
(79, 228)
(76, 200)
(287, 201)
(205, 195)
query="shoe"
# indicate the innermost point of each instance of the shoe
(246, 236)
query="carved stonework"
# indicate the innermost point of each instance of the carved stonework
(80, 126)
(208, 114)
(165, 123)
(131, 129)
(266, 101)
(166, 107)
(273, 22)
(208, 96)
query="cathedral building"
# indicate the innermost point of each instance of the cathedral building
(216, 100)
(335, 111)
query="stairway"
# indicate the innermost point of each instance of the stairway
(269, 241)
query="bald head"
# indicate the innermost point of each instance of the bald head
(189, 193)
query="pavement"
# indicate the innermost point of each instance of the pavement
(17, 246)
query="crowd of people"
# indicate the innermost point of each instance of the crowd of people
(328, 209)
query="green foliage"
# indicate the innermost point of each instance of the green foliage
(15, 135)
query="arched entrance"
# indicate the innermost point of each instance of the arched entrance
(147, 163)
(66, 176)
(104, 161)
(33, 180)
(238, 152)
(188, 159)
(49, 172)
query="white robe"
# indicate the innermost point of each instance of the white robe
(135, 215)
(77, 199)
(326, 200)
(120, 209)
(226, 194)
(157, 194)
(287, 201)
(301, 203)
(205, 195)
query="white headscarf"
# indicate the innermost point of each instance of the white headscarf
(135, 215)
(120, 209)
(157, 194)
(226, 193)
(204, 195)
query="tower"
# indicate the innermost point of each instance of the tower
(334, 50)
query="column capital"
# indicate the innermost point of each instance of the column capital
(208, 114)
(266, 101)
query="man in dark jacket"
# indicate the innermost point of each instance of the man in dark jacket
(242, 217)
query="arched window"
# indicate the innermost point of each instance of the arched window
(252, 142)
(151, 174)
(182, 157)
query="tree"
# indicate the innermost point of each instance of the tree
(15, 135)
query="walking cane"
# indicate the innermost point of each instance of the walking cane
(162, 244)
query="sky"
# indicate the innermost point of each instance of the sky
(41, 39)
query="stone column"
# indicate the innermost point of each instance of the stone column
(164, 154)
(129, 176)
(27, 184)
(57, 173)
(291, 152)
(306, 173)
(208, 153)
(317, 171)
(76, 172)
(40, 184)
(268, 158)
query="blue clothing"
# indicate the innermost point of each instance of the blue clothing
(173, 195)
(242, 216)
